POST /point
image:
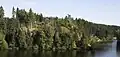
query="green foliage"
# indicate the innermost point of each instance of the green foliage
(26, 30)
(4, 45)
(2, 36)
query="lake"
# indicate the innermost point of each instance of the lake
(108, 50)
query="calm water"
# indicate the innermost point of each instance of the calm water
(108, 50)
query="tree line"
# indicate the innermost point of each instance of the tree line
(29, 30)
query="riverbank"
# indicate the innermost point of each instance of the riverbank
(110, 51)
(100, 45)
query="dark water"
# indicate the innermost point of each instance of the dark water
(108, 50)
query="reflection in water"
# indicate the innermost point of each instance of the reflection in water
(118, 48)
(73, 53)
(118, 45)
(107, 51)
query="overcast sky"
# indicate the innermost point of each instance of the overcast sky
(98, 11)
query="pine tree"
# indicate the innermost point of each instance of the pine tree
(13, 13)
(1, 12)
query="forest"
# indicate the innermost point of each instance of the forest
(30, 30)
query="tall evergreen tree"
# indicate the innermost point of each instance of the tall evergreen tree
(30, 14)
(41, 18)
(13, 13)
(17, 12)
(1, 12)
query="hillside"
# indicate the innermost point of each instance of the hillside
(29, 30)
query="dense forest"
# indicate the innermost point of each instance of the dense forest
(29, 30)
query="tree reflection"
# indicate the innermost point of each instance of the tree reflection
(118, 48)
(59, 53)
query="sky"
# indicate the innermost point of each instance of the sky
(97, 11)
